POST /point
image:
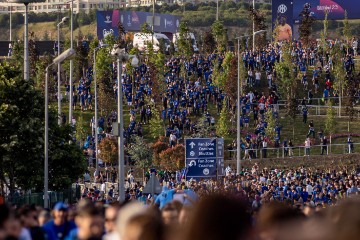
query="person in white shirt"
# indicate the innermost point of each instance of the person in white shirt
(257, 78)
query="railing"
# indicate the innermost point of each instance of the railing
(295, 151)
(70, 195)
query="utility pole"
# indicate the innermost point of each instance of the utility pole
(71, 64)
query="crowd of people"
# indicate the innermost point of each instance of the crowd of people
(300, 203)
(189, 90)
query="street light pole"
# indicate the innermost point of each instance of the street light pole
(239, 94)
(120, 122)
(62, 57)
(253, 27)
(238, 142)
(217, 10)
(63, 20)
(71, 65)
(10, 23)
(153, 23)
(96, 108)
(121, 56)
(26, 44)
(46, 144)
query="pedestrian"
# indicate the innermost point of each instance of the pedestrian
(304, 111)
(311, 129)
(307, 147)
(323, 145)
(264, 148)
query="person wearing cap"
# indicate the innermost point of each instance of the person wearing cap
(59, 227)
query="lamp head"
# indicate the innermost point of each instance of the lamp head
(135, 62)
(64, 19)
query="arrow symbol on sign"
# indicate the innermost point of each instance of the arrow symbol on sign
(192, 144)
(192, 163)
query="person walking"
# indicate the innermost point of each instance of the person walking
(323, 145)
(307, 147)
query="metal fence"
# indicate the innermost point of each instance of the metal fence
(69, 196)
(296, 151)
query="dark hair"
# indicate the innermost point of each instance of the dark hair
(219, 217)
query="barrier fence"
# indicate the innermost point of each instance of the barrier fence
(295, 151)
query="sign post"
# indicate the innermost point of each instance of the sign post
(203, 157)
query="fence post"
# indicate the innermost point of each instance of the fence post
(283, 152)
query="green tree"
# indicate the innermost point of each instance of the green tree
(222, 126)
(141, 153)
(183, 43)
(347, 29)
(21, 138)
(81, 132)
(271, 124)
(284, 69)
(219, 32)
(340, 82)
(330, 122)
(156, 127)
(203, 129)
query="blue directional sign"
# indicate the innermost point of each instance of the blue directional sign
(201, 160)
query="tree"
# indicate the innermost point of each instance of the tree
(156, 128)
(219, 32)
(306, 23)
(22, 138)
(33, 55)
(108, 150)
(160, 145)
(183, 43)
(80, 130)
(259, 19)
(222, 127)
(271, 124)
(173, 159)
(105, 77)
(284, 69)
(141, 153)
(339, 72)
(209, 42)
(347, 29)
(330, 122)
(202, 128)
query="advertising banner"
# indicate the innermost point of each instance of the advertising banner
(132, 22)
(107, 23)
(336, 8)
(282, 11)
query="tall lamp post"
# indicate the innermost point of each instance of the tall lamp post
(239, 94)
(62, 57)
(121, 56)
(96, 108)
(63, 20)
(26, 36)
(71, 63)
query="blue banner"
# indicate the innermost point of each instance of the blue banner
(282, 12)
(201, 160)
(107, 23)
(336, 8)
(132, 21)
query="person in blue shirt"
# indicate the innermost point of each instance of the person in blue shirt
(89, 222)
(59, 228)
(165, 197)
